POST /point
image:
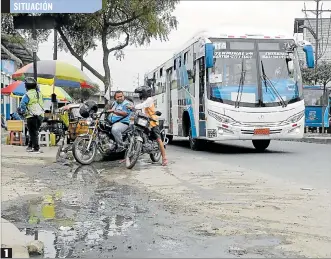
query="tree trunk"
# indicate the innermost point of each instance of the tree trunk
(105, 61)
(78, 57)
(106, 68)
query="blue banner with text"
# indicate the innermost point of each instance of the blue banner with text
(55, 6)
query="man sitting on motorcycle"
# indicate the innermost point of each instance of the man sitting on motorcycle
(119, 112)
(145, 94)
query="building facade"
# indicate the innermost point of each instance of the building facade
(324, 36)
(13, 56)
(8, 104)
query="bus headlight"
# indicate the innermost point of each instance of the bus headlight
(295, 118)
(220, 117)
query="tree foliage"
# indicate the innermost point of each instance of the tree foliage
(322, 75)
(82, 94)
(130, 22)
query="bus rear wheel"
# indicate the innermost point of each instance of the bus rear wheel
(261, 144)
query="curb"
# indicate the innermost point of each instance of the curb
(11, 237)
(311, 140)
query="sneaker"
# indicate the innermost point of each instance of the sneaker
(29, 149)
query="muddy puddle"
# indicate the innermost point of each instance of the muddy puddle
(84, 212)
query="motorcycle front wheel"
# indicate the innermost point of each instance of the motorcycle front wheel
(79, 150)
(132, 153)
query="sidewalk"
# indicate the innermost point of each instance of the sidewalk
(314, 138)
(49, 153)
(11, 237)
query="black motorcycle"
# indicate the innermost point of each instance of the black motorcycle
(99, 138)
(141, 141)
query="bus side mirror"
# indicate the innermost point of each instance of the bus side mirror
(308, 49)
(209, 55)
(290, 65)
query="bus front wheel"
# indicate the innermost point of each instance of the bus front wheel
(170, 138)
(261, 144)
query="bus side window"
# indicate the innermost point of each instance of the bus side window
(185, 57)
(194, 66)
(175, 67)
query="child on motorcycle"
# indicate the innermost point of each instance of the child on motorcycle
(145, 94)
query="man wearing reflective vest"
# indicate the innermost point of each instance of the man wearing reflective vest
(32, 107)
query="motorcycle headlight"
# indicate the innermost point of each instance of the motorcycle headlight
(89, 121)
(295, 118)
(220, 117)
(142, 122)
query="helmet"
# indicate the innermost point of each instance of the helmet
(30, 83)
(88, 108)
(144, 92)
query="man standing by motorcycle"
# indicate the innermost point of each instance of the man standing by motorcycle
(145, 94)
(120, 116)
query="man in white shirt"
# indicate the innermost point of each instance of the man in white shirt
(147, 106)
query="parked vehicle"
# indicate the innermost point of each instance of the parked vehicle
(74, 123)
(99, 138)
(314, 104)
(141, 142)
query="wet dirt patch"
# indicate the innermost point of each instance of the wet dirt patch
(94, 211)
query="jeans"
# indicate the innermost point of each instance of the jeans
(117, 130)
(34, 124)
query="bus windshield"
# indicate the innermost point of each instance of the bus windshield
(287, 85)
(237, 75)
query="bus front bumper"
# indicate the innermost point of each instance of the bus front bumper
(228, 132)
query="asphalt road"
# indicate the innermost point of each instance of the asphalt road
(226, 201)
(308, 164)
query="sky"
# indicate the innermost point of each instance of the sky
(193, 16)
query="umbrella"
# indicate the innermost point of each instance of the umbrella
(54, 72)
(17, 89)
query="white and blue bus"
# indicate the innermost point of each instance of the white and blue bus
(232, 85)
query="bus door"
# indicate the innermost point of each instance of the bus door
(201, 75)
(174, 98)
(169, 101)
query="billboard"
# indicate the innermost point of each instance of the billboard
(8, 66)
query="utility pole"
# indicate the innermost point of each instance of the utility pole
(317, 13)
(35, 49)
(138, 81)
(55, 45)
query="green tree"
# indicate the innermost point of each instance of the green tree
(130, 22)
(322, 75)
(81, 95)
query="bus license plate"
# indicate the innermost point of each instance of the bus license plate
(261, 131)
